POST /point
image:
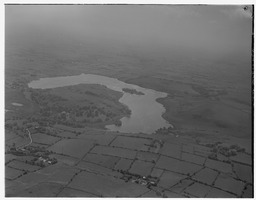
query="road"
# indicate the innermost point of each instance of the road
(22, 146)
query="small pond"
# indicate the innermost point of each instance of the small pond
(17, 104)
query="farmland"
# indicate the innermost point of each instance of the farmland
(57, 140)
(86, 167)
(68, 138)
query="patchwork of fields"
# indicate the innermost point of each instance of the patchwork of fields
(108, 164)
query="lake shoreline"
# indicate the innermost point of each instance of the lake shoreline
(146, 111)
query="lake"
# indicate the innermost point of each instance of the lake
(146, 112)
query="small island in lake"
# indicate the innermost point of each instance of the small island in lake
(132, 91)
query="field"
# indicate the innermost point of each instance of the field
(111, 151)
(193, 158)
(70, 192)
(229, 184)
(102, 139)
(220, 166)
(198, 190)
(206, 175)
(141, 167)
(106, 186)
(123, 164)
(106, 161)
(42, 189)
(169, 179)
(22, 166)
(44, 139)
(86, 168)
(11, 173)
(130, 143)
(172, 164)
(72, 147)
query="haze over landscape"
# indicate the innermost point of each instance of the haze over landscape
(105, 66)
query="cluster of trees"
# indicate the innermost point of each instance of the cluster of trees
(41, 162)
(42, 99)
(163, 130)
(69, 114)
(76, 116)
(16, 84)
(92, 112)
(132, 91)
(232, 150)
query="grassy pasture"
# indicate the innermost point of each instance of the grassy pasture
(72, 147)
(101, 139)
(44, 139)
(106, 186)
(206, 176)
(229, 184)
(71, 192)
(168, 179)
(114, 151)
(42, 190)
(11, 173)
(23, 166)
(123, 164)
(176, 165)
(198, 190)
(106, 161)
(141, 167)
(130, 142)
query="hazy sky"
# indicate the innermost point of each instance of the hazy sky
(214, 29)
